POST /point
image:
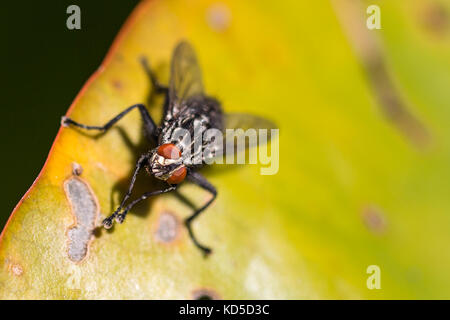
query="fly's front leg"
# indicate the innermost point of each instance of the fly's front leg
(107, 223)
(201, 181)
(120, 217)
(149, 124)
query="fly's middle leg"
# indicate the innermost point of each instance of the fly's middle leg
(149, 124)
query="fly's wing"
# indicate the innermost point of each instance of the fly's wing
(242, 131)
(185, 78)
(244, 125)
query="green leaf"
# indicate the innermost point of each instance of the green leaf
(354, 189)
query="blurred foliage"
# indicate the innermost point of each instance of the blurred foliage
(353, 190)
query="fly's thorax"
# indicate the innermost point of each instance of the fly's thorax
(166, 164)
(186, 131)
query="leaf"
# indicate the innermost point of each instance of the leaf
(353, 188)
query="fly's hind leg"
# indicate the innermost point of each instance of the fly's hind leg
(201, 181)
(157, 86)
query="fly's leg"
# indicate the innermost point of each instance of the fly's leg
(107, 223)
(120, 217)
(149, 124)
(201, 181)
(157, 86)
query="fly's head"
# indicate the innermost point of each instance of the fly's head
(166, 164)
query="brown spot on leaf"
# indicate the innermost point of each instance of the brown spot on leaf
(168, 228)
(436, 18)
(205, 294)
(85, 210)
(374, 219)
(218, 16)
(117, 84)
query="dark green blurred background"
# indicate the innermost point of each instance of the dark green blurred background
(44, 65)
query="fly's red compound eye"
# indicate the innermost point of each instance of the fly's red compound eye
(169, 151)
(178, 176)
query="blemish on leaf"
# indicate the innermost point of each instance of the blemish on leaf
(205, 294)
(436, 18)
(77, 169)
(392, 104)
(16, 269)
(85, 210)
(168, 228)
(374, 219)
(218, 16)
(117, 84)
(101, 166)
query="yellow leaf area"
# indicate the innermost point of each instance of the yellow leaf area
(355, 187)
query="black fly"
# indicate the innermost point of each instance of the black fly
(185, 104)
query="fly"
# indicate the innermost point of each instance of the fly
(185, 105)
